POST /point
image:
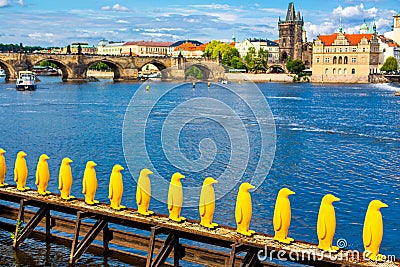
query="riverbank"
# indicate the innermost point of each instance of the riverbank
(262, 77)
(100, 74)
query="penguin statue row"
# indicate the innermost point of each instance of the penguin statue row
(326, 223)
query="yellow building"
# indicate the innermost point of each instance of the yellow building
(345, 58)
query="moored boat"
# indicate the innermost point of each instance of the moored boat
(397, 93)
(26, 81)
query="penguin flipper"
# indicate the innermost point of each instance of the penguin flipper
(202, 205)
(110, 191)
(367, 236)
(37, 176)
(323, 229)
(277, 221)
(170, 200)
(139, 195)
(15, 175)
(60, 183)
(84, 185)
(239, 214)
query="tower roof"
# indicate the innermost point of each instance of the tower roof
(291, 13)
(364, 26)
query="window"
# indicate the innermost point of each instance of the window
(353, 60)
(327, 60)
(345, 71)
(326, 71)
(345, 60)
(334, 71)
(354, 49)
(363, 49)
(353, 71)
(340, 60)
(317, 60)
(339, 72)
(334, 60)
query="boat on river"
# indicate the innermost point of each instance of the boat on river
(397, 93)
(26, 81)
(2, 72)
(45, 71)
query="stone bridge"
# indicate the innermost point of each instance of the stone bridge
(74, 67)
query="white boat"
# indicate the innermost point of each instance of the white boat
(26, 81)
(2, 72)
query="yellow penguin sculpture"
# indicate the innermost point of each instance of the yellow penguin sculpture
(175, 198)
(43, 175)
(90, 183)
(282, 216)
(243, 210)
(207, 203)
(373, 231)
(65, 179)
(143, 192)
(326, 224)
(116, 187)
(21, 171)
(3, 168)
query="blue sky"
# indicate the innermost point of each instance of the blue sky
(58, 23)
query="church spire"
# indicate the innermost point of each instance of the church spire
(291, 13)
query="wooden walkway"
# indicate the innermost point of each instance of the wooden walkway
(226, 237)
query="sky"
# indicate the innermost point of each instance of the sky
(59, 23)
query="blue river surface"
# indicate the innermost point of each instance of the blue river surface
(339, 139)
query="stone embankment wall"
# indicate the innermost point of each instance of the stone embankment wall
(262, 77)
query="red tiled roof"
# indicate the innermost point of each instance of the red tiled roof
(143, 43)
(353, 39)
(190, 47)
(388, 41)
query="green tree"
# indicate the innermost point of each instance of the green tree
(46, 63)
(390, 64)
(100, 66)
(295, 66)
(230, 55)
(194, 72)
(256, 61)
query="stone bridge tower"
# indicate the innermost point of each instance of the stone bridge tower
(291, 35)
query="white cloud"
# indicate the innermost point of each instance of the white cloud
(122, 21)
(274, 10)
(21, 2)
(349, 12)
(218, 7)
(4, 3)
(38, 35)
(116, 7)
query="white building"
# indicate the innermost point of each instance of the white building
(257, 44)
(388, 48)
(105, 47)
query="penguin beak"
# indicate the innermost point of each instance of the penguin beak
(24, 154)
(383, 205)
(46, 157)
(122, 168)
(69, 160)
(2, 151)
(215, 182)
(291, 192)
(149, 172)
(335, 199)
(251, 187)
(94, 164)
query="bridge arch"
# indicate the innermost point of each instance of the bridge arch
(65, 70)
(10, 71)
(205, 70)
(276, 68)
(115, 67)
(160, 65)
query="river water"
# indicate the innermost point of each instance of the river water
(340, 139)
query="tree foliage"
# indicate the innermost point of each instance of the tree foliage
(46, 63)
(295, 66)
(390, 64)
(194, 72)
(18, 47)
(100, 66)
(230, 55)
(256, 61)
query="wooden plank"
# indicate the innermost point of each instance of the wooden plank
(121, 238)
(223, 236)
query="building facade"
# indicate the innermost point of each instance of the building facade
(257, 44)
(292, 35)
(189, 49)
(345, 58)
